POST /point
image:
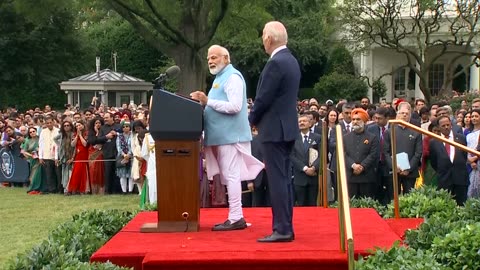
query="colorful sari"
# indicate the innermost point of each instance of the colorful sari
(35, 178)
(96, 168)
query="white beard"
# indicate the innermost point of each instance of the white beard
(216, 69)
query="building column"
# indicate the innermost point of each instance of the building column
(474, 78)
(69, 97)
(105, 98)
(144, 97)
(418, 92)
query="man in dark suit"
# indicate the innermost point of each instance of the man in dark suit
(384, 177)
(361, 155)
(274, 113)
(346, 125)
(107, 137)
(409, 142)
(259, 196)
(449, 162)
(305, 167)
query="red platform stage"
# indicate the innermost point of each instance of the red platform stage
(316, 244)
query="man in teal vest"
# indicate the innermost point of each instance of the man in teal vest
(227, 134)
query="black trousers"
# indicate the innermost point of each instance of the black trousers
(51, 181)
(359, 190)
(306, 195)
(112, 183)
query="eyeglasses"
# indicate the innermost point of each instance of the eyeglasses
(33, 131)
(66, 125)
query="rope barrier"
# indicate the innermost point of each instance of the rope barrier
(96, 160)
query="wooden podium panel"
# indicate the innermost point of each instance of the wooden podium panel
(178, 186)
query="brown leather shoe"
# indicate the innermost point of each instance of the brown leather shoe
(228, 226)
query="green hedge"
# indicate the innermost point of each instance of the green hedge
(448, 238)
(424, 202)
(364, 202)
(399, 258)
(71, 244)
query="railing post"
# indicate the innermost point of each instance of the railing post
(393, 142)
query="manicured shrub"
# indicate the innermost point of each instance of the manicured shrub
(459, 249)
(433, 227)
(399, 258)
(424, 202)
(71, 244)
(364, 202)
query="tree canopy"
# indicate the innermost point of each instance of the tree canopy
(36, 53)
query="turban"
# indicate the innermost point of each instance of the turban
(360, 113)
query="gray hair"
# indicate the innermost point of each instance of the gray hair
(277, 31)
(223, 50)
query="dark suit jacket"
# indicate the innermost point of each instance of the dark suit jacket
(109, 148)
(299, 159)
(332, 144)
(408, 141)
(375, 129)
(274, 110)
(361, 148)
(449, 173)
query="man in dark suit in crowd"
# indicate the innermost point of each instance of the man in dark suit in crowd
(107, 136)
(346, 125)
(409, 142)
(361, 155)
(274, 113)
(258, 197)
(305, 170)
(384, 177)
(449, 162)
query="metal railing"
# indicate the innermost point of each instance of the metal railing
(394, 153)
(323, 171)
(345, 222)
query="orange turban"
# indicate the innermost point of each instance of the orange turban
(360, 113)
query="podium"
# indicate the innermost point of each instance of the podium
(176, 124)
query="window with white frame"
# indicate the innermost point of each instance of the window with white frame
(399, 80)
(435, 78)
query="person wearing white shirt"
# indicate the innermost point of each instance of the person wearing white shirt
(48, 157)
(227, 134)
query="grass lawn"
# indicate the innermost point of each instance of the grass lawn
(26, 220)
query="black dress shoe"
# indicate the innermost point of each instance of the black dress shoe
(228, 226)
(224, 223)
(276, 237)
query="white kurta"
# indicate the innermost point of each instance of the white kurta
(148, 153)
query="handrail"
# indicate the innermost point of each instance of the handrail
(322, 198)
(394, 153)
(345, 222)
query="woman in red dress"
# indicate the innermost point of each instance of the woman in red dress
(79, 183)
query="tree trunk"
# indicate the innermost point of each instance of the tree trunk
(193, 65)
(424, 88)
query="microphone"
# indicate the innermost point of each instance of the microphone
(171, 73)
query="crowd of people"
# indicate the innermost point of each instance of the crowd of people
(367, 143)
(93, 151)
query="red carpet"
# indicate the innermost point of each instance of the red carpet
(316, 244)
(399, 226)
